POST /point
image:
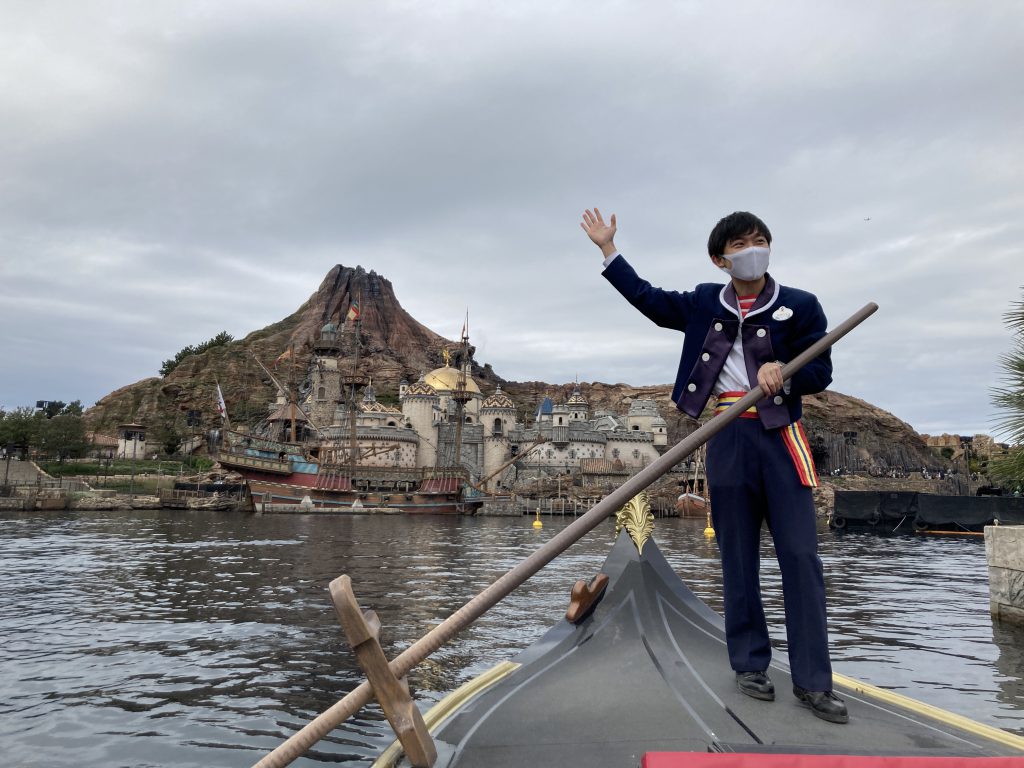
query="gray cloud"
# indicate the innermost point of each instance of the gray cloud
(175, 169)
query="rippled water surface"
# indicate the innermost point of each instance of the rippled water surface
(200, 639)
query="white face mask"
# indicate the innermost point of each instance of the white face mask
(749, 264)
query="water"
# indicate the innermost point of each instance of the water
(201, 639)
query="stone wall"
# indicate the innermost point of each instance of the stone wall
(1004, 550)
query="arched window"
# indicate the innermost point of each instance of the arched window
(636, 453)
(497, 429)
(615, 453)
(321, 393)
(636, 427)
(392, 424)
(559, 419)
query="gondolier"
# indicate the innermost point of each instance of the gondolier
(737, 336)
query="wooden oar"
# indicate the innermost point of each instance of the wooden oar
(299, 743)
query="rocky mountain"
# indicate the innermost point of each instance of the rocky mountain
(844, 431)
(394, 345)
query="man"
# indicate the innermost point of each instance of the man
(738, 336)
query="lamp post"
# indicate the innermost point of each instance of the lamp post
(131, 476)
(7, 469)
(966, 443)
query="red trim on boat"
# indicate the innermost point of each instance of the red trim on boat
(749, 760)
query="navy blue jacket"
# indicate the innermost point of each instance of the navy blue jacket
(782, 323)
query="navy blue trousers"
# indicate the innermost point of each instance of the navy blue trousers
(752, 480)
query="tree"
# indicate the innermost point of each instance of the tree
(74, 408)
(53, 407)
(63, 436)
(20, 428)
(167, 436)
(1009, 399)
(219, 340)
(57, 428)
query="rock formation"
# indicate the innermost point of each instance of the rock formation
(395, 345)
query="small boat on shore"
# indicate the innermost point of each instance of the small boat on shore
(645, 673)
(692, 505)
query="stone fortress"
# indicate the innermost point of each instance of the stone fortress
(496, 446)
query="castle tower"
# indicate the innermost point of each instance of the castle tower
(325, 390)
(498, 416)
(579, 408)
(660, 429)
(643, 416)
(419, 405)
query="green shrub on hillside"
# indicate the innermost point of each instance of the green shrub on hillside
(219, 340)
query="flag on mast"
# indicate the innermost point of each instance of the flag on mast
(353, 311)
(222, 408)
(282, 357)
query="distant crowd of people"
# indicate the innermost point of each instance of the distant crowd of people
(901, 472)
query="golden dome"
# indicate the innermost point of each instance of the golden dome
(446, 379)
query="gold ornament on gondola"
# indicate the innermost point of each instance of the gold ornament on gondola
(638, 520)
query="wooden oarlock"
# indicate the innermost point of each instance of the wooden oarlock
(299, 743)
(362, 628)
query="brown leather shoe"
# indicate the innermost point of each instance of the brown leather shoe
(823, 704)
(756, 685)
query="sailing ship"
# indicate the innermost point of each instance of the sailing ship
(363, 462)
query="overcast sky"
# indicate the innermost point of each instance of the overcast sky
(169, 170)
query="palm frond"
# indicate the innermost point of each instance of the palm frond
(1009, 469)
(1008, 398)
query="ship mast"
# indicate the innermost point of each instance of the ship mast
(353, 380)
(460, 394)
(291, 400)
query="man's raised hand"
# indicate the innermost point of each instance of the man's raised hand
(602, 234)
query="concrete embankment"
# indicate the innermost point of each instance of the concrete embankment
(1004, 551)
(58, 499)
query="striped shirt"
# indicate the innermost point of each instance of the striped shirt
(746, 302)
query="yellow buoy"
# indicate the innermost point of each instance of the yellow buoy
(709, 531)
(537, 523)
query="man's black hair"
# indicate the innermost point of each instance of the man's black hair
(735, 225)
